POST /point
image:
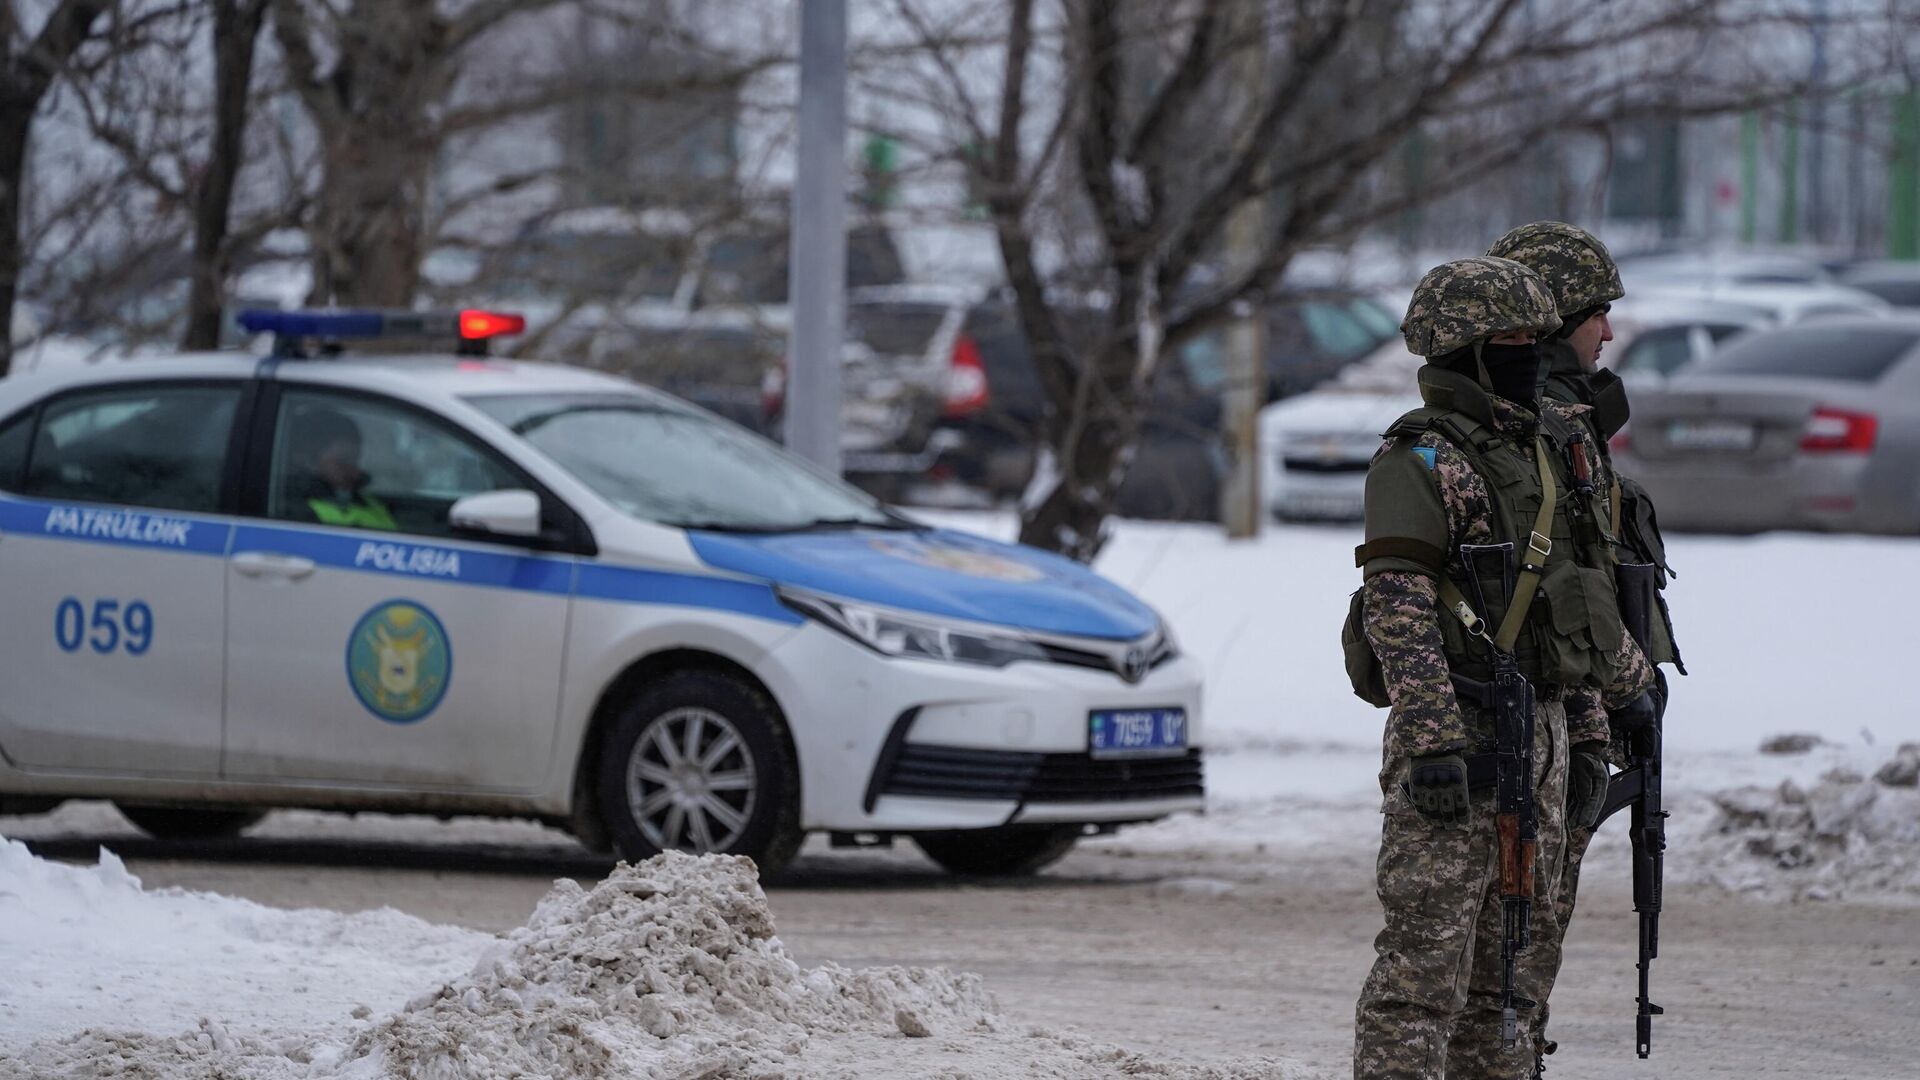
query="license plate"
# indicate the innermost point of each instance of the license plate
(1137, 732)
(1711, 435)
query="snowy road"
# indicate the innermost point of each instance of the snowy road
(1242, 934)
(1253, 944)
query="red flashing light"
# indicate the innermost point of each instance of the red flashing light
(1831, 430)
(967, 390)
(481, 325)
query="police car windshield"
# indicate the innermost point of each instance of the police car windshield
(663, 462)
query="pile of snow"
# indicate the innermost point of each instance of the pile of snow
(85, 946)
(668, 969)
(1849, 835)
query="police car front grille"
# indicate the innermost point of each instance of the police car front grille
(951, 772)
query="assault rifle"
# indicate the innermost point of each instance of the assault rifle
(1638, 787)
(1516, 819)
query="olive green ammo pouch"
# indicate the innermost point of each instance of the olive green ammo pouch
(1639, 534)
(1586, 624)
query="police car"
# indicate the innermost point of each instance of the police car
(444, 583)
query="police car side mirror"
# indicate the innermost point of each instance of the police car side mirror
(514, 512)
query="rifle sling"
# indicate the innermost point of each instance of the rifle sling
(1539, 546)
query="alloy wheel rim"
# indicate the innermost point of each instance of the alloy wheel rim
(690, 781)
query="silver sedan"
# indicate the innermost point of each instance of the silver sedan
(1813, 426)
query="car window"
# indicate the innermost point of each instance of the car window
(1335, 331)
(1896, 292)
(15, 435)
(673, 358)
(664, 463)
(1857, 354)
(157, 446)
(1204, 361)
(1375, 317)
(358, 462)
(1720, 332)
(894, 329)
(1659, 350)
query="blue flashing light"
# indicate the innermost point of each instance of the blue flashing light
(314, 324)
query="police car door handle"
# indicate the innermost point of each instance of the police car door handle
(256, 564)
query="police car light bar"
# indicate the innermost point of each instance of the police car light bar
(471, 325)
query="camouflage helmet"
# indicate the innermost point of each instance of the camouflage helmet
(1573, 260)
(1459, 303)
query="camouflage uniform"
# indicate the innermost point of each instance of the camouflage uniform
(1582, 275)
(1431, 1004)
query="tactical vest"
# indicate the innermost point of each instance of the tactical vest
(1572, 629)
(1633, 524)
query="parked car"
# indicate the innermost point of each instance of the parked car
(1720, 268)
(939, 386)
(1654, 337)
(1315, 449)
(447, 584)
(717, 364)
(1896, 282)
(1783, 304)
(1812, 426)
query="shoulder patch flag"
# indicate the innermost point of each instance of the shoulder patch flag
(1426, 454)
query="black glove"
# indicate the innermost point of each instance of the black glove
(1641, 713)
(1437, 787)
(1586, 784)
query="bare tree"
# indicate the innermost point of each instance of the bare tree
(1123, 139)
(236, 30)
(32, 64)
(382, 83)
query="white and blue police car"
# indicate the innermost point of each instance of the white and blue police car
(444, 583)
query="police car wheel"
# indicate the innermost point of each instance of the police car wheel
(1008, 851)
(698, 761)
(187, 823)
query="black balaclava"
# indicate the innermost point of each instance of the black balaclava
(1514, 370)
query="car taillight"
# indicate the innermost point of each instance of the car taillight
(773, 391)
(1621, 442)
(966, 380)
(1831, 430)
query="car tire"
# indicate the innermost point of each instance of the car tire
(653, 795)
(1008, 851)
(189, 823)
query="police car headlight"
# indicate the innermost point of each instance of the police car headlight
(895, 633)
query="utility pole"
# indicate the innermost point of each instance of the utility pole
(1817, 130)
(817, 272)
(1246, 387)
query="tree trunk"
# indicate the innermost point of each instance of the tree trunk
(370, 222)
(16, 119)
(236, 28)
(1089, 445)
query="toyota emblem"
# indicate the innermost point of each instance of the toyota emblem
(1134, 665)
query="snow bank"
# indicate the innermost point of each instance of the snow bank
(1849, 835)
(86, 946)
(669, 969)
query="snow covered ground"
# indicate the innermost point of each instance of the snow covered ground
(271, 993)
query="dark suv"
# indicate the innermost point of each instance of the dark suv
(940, 386)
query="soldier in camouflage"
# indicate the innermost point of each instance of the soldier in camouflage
(1585, 282)
(1430, 1007)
